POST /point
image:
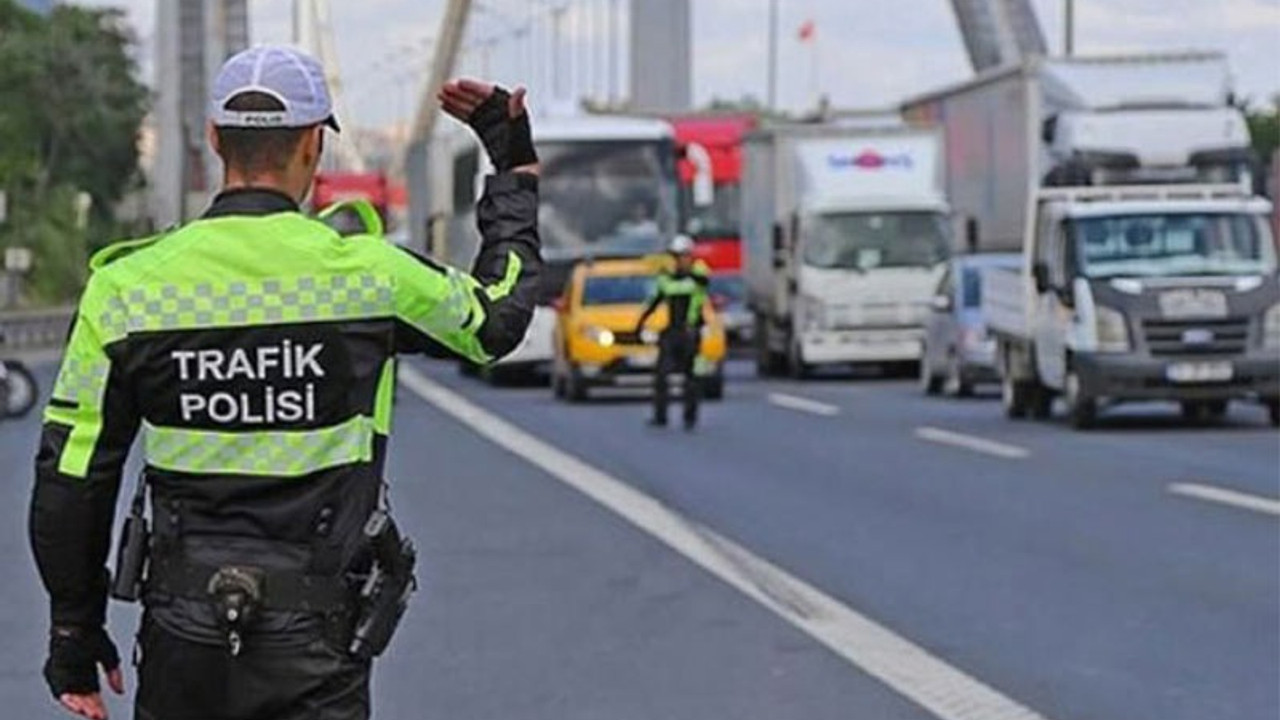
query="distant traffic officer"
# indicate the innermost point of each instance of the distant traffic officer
(683, 289)
(255, 349)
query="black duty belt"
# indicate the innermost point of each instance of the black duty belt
(281, 589)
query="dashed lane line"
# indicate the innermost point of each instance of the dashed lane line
(795, 402)
(1226, 496)
(972, 442)
(945, 691)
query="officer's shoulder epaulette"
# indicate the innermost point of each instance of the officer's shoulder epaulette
(115, 251)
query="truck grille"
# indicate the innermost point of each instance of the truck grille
(1196, 337)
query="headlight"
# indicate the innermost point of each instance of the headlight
(598, 335)
(973, 339)
(1113, 333)
(815, 312)
(1271, 328)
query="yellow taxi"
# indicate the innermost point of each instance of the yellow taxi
(596, 344)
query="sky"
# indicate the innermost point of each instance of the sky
(865, 53)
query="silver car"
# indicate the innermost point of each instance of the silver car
(958, 353)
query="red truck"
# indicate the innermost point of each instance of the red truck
(709, 152)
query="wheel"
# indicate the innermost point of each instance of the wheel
(1013, 396)
(20, 393)
(768, 362)
(930, 384)
(797, 368)
(576, 389)
(955, 384)
(1273, 411)
(1040, 402)
(1082, 410)
(713, 388)
(558, 388)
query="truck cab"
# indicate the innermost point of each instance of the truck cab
(1143, 293)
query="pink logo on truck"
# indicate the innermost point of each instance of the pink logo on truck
(872, 160)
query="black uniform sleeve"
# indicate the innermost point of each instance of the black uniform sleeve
(89, 426)
(483, 315)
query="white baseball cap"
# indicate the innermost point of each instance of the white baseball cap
(289, 75)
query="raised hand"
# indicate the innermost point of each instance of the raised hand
(499, 118)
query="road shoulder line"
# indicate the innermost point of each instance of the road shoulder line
(1226, 496)
(943, 690)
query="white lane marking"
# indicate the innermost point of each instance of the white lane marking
(1225, 496)
(943, 690)
(795, 402)
(972, 442)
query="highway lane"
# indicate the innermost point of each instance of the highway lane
(1068, 577)
(536, 604)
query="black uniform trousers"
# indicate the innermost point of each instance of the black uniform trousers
(677, 351)
(179, 679)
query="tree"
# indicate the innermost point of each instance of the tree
(70, 109)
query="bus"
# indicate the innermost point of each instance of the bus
(608, 189)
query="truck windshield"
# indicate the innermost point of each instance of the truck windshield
(1181, 244)
(606, 194)
(617, 289)
(865, 241)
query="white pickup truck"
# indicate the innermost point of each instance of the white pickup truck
(1140, 293)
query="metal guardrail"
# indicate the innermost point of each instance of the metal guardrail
(29, 330)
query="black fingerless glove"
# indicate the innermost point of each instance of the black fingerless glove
(509, 141)
(74, 656)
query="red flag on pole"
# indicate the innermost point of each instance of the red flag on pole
(807, 30)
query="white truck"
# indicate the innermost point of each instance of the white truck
(1149, 267)
(846, 231)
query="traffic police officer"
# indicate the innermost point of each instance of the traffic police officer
(684, 290)
(254, 348)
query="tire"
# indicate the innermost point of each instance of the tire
(20, 393)
(1014, 396)
(1082, 410)
(797, 368)
(1040, 402)
(558, 389)
(1273, 411)
(768, 362)
(955, 384)
(930, 384)
(576, 388)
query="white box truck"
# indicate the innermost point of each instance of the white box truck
(1149, 267)
(846, 231)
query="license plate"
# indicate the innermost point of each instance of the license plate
(1199, 372)
(642, 362)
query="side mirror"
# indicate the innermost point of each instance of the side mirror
(941, 303)
(704, 193)
(1040, 275)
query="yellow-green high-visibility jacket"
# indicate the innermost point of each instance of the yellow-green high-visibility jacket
(253, 350)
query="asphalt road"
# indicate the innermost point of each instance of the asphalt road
(1082, 575)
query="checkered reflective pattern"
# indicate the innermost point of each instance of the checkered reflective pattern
(236, 303)
(81, 380)
(274, 453)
